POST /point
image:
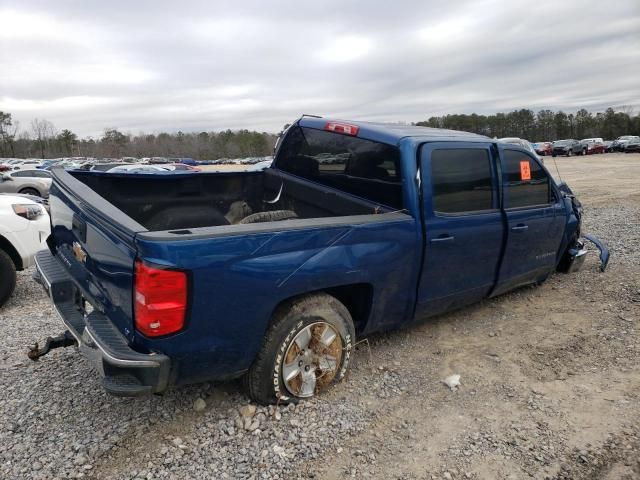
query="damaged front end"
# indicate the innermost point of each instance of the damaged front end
(576, 252)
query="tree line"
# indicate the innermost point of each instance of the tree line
(545, 125)
(43, 140)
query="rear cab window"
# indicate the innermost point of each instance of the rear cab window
(362, 167)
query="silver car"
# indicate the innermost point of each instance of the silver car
(30, 182)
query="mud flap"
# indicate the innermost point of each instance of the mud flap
(604, 251)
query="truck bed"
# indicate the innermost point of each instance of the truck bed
(104, 223)
(183, 201)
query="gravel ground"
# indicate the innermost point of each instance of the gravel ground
(549, 389)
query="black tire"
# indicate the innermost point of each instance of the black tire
(182, 216)
(264, 382)
(553, 155)
(7, 277)
(30, 191)
(273, 216)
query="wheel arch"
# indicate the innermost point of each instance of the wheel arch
(357, 298)
(29, 188)
(8, 247)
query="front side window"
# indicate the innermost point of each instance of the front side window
(461, 180)
(355, 165)
(526, 183)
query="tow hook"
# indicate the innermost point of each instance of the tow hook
(65, 339)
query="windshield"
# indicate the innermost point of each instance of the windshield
(562, 143)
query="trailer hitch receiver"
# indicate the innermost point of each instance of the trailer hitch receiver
(65, 339)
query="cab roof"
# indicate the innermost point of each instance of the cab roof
(392, 133)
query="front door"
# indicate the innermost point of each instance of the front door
(535, 220)
(464, 227)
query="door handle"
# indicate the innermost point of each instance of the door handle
(443, 238)
(521, 227)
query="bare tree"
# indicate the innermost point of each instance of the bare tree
(43, 131)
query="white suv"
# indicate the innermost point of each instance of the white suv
(24, 227)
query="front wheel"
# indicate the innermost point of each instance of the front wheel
(30, 191)
(305, 351)
(7, 277)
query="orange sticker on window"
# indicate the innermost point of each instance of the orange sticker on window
(525, 170)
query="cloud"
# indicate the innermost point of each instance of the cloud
(201, 65)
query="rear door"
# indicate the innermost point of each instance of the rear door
(535, 220)
(464, 226)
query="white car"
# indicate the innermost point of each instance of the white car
(521, 142)
(24, 228)
(136, 168)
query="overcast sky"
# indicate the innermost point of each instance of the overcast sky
(210, 65)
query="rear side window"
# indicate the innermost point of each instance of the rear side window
(461, 180)
(526, 183)
(361, 167)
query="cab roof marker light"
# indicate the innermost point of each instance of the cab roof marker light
(344, 128)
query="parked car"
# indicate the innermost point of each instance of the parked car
(620, 143)
(180, 167)
(26, 165)
(138, 168)
(46, 164)
(521, 142)
(633, 146)
(5, 167)
(30, 182)
(171, 279)
(607, 145)
(34, 198)
(567, 147)
(591, 146)
(543, 148)
(24, 227)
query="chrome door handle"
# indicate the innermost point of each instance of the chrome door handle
(520, 228)
(443, 238)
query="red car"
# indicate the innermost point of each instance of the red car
(543, 148)
(595, 147)
(4, 167)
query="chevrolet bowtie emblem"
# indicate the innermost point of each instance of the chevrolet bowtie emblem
(79, 253)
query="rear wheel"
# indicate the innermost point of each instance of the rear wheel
(306, 350)
(30, 191)
(570, 153)
(7, 277)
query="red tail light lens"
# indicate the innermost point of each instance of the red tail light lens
(343, 128)
(160, 300)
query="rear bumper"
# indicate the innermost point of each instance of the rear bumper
(125, 372)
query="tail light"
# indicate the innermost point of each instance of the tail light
(344, 128)
(160, 300)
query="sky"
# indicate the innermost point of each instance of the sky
(143, 66)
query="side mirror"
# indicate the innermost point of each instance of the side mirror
(6, 177)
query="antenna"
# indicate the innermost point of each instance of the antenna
(557, 169)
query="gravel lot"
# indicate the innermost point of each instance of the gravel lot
(549, 388)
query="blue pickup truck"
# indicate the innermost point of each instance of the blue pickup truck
(272, 275)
